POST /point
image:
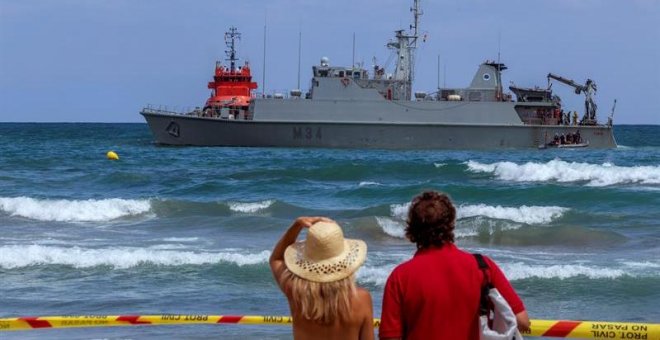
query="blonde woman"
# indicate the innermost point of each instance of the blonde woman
(318, 278)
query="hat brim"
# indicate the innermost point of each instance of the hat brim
(328, 270)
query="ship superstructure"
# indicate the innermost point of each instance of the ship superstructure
(231, 88)
(353, 107)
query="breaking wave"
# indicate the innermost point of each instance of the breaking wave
(399, 211)
(374, 275)
(481, 225)
(250, 207)
(61, 210)
(368, 183)
(391, 227)
(396, 228)
(377, 275)
(521, 271)
(19, 256)
(522, 214)
(561, 171)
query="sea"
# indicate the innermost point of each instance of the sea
(188, 230)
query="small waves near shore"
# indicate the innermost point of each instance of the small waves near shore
(191, 230)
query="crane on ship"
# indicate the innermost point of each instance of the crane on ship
(589, 89)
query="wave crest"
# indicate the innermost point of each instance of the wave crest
(16, 256)
(377, 275)
(250, 207)
(561, 171)
(391, 227)
(521, 271)
(374, 275)
(522, 214)
(73, 210)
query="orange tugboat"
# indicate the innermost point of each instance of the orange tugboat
(231, 86)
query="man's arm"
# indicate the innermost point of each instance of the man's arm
(523, 321)
(503, 285)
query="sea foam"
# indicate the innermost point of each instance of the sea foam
(377, 275)
(522, 214)
(250, 207)
(561, 171)
(520, 271)
(19, 256)
(374, 275)
(62, 210)
(391, 227)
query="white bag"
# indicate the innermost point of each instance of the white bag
(494, 310)
(505, 326)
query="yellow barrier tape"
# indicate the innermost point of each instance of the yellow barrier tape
(72, 321)
(595, 330)
(546, 328)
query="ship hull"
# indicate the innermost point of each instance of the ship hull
(173, 129)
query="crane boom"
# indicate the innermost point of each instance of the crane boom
(578, 87)
(589, 89)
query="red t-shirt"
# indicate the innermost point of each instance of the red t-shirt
(435, 295)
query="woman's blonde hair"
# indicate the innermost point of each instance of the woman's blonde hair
(322, 302)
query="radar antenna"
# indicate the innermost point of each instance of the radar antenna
(230, 40)
(417, 12)
(405, 45)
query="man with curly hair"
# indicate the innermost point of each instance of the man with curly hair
(436, 294)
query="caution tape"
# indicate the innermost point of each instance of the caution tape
(78, 321)
(546, 328)
(594, 330)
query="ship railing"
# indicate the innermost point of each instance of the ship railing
(279, 94)
(162, 109)
(274, 94)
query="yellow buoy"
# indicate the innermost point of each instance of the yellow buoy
(112, 156)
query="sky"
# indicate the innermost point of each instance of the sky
(103, 60)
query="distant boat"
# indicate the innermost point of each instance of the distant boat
(358, 107)
(564, 146)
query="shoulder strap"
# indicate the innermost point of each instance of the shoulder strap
(480, 260)
(483, 265)
(484, 302)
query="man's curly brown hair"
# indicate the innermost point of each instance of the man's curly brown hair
(431, 220)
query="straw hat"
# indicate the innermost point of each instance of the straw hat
(325, 256)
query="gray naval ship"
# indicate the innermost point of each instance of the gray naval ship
(352, 107)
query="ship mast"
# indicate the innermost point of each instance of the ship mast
(230, 40)
(405, 45)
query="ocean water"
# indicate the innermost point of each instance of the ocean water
(189, 230)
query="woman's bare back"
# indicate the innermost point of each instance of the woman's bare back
(357, 325)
